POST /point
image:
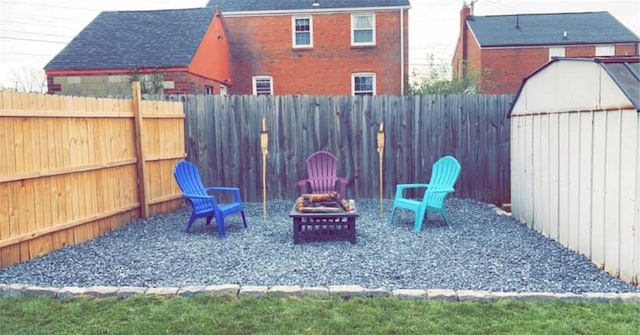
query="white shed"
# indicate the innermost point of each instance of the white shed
(575, 158)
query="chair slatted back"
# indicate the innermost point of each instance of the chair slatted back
(322, 171)
(188, 178)
(444, 174)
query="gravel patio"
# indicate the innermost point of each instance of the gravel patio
(481, 251)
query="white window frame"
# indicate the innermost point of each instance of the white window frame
(556, 52)
(257, 79)
(363, 74)
(294, 33)
(208, 90)
(223, 90)
(354, 18)
(606, 50)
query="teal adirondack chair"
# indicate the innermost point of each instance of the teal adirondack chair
(444, 174)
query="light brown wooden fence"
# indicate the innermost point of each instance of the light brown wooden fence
(223, 140)
(74, 168)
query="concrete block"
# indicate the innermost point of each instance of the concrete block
(101, 291)
(222, 289)
(467, 295)
(284, 291)
(315, 291)
(409, 293)
(167, 292)
(128, 291)
(254, 291)
(377, 292)
(190, 290)
(70, 292)
(12, 290)
(42, 291)
(347, 291)
(440, 294)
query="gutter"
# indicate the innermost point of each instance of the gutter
(311, 10)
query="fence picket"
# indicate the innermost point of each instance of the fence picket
(418, 131)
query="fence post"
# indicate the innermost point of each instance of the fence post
(139, 136)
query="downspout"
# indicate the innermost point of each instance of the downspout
(401, 51)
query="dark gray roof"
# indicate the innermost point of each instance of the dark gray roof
(548, 29)
(136, 39)
(284, 5)
(626, 74)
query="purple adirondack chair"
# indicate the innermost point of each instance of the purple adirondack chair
(322, 172)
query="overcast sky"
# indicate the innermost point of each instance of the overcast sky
(32, 32)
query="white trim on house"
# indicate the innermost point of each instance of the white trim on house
(353, 28)
(294, 33)
(363, 74)
(262, 79)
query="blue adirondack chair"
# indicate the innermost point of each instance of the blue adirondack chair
(322, 175)
(203, 203)
(444, 174)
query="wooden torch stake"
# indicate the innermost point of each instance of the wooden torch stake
(264, 143)
(380, 154)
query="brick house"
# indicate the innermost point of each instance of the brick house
(504, 49)
(169, 51)
(323, 47)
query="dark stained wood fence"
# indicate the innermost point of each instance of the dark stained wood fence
(223, 138)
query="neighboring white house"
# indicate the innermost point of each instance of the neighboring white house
(575, 158)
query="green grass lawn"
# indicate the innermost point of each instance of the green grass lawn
(246, 315)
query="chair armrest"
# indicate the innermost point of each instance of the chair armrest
(234, 190)
(400, 188)
(342, 186)
(442, 190)
(223, 189)
(403, 187)
(198, 196)
(303, 186)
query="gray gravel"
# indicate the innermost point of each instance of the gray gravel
(482, 251)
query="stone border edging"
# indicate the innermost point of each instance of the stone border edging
(19, 290)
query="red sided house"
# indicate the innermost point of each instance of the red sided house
(504, 49)
(169, 51)
(322, 47)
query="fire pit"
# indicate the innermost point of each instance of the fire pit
(323, 217)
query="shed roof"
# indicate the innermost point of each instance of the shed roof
(623, 70)
(292, 5)
(549, 29)
(136, 39)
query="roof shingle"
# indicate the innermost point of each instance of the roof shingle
(284, 5)
(549, 29)
(136, 39)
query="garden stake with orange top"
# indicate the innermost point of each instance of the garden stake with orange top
(264, 143)
(380, 154)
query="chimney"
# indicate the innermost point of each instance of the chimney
(465, 13)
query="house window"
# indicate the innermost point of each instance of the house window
(605, 50)
(302, 33)
(262, 85)
(208, 90)
(363, 30)
(556, 52)
(223, 90)
(363, 83)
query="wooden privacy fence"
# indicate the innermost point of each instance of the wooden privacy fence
(74, 168)
(223, 139)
